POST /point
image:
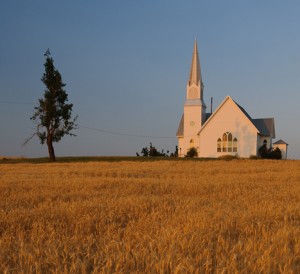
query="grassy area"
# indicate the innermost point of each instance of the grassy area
(80, 159)
(6, 160)
(152, 216)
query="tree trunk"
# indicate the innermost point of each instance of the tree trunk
(51, 150)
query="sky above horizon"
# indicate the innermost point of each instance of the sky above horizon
(126, 65)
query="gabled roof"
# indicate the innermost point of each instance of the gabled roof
(280, 142)
(214, 113)
(243, 110)
(180, 127)
(264, 126)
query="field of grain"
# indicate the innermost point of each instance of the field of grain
(159, 217)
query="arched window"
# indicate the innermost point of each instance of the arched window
(192, 143)
(227, 143)
(224, 142)
(219, 144)
(235, 145)
(265, 142)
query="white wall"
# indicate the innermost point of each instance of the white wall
(228, 118)
(192, 125)
(180, 147)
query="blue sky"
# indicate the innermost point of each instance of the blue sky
(126, 64)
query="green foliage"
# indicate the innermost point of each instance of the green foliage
(276, 154)
(254, 157)
(145, 151)
(192, 152)
(229, 157)
(263, 150)
(153, 152)
(271, 153)
(175, 153)
(53, 114)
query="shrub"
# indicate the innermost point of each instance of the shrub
(152, 152)
(192, 152)
(228, 157)
(276, 153)
(269, 153)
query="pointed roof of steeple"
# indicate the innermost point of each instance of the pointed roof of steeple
(195, 73)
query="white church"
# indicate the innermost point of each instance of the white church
(229, 130)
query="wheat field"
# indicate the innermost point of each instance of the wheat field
(240, 216)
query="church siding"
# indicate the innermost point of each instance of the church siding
(192, 123)
(228, 119)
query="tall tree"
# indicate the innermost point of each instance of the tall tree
(53, 114)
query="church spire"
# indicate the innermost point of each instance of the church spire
(195, 73)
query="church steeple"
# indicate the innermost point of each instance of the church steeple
(195, 85)
(195, 73)
(194, 113)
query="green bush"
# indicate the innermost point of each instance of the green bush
(228, 157)
(192, 152)
(153, 152)
(269, 153)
